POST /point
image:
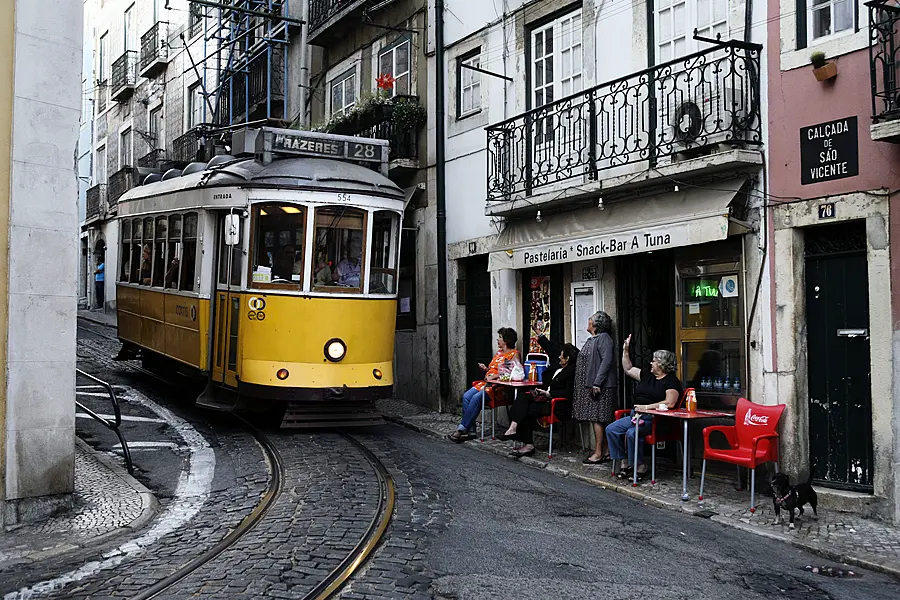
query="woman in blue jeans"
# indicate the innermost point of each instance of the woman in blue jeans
(506, 359)
(657, 385)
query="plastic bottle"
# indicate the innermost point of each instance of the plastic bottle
(736, 386)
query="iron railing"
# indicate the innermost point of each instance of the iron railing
(404, 141)
(185, 148)
(884, 59)
(320, 11)
(234, 98)
(94, 201)
(120, 182)
(124, 75)
(702, 99)
(153, 159)
(154, 49)
(113, 425)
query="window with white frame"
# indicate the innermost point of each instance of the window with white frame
(343, 92)
(469, 96)
(677, 19)
(102, 66)
(126, 149)
(155, 127)
(556, 52)
(395, 61)
(129, 35)
(829, 18)
(195, 105)
(100, 166)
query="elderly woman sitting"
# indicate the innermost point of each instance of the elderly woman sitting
(656, 386)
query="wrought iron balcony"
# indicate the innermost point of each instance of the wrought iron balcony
(153, 159)
(120, 182)
(102, 92)
(671, 110)
(325, 14)
(186, 148)
(95, 201)
(155, 50)
(124, 76)
(402, 133)
(884, 60)
(234, 99)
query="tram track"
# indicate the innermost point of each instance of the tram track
(351, 564)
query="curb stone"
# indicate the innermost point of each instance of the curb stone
(870, 563)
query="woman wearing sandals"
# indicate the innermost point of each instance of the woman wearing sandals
(596, 380)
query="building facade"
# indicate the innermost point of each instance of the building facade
(832, 223)
(40, 106)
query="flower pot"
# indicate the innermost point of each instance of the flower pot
(827, 71)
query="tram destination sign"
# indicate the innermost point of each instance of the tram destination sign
(829, 151)
(306, 144)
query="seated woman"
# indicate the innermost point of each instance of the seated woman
(656, 386)
(528, 407)
(503, 363)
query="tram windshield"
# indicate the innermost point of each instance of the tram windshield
(279, 241)
(383, 263)
(338, 246)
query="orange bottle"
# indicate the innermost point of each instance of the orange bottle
(691, 401)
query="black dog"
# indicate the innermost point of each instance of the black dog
(789, 497)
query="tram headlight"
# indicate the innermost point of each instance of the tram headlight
(377, 374)
(335, 350)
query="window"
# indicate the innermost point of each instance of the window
(134, 260)
(159, 251)
(406, 288)
(195, 105)
(469, 96)
(100, 166)
(278, 242)
(394, 61)
(103, 67)
(339, 243)
(125, 246)
(677, 19)
(144, 276)
(383, 264)
(156, 128)
(189, 252)
(829, 18)
(556, 59)
(126, 149)
(129, 35)
(343, 93)
(173, 253)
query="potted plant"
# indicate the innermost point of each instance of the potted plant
(822, 68)
(408, 114)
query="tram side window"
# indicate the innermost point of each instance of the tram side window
(278, 239)
(126, 250)
(147, 252)
(339, 244)
(134, 265)
(159, 251)
(383, 264)
(173, 252)
(188, 252)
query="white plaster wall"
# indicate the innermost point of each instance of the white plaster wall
(44, 249)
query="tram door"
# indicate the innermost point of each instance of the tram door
(228, 300)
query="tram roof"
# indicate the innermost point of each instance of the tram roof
(284, 173)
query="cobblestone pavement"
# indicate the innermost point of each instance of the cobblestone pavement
(836, 535)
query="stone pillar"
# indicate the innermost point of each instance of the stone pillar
(40, 87)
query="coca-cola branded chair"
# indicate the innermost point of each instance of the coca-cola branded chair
(753, 439)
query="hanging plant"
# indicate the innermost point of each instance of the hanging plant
(408, 114)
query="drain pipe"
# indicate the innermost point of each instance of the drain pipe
(440, 183)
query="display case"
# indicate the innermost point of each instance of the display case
(710, 332)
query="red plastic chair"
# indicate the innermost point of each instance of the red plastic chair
(753, 439)
(658, 433)
(551, 419)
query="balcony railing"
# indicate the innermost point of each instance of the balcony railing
(676, 108)
(120, 182)
(155, 50)
(321, 11)
(234, 99)
(124, 76)
(403, 139)
(884, 60)
(94, 201)
(153, 159)
(186, 148)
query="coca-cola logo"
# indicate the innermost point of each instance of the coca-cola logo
(751, 419)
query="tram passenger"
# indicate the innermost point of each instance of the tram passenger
(172, 274)
(348, 270)
(146, 265)
(324, 275)
(502, 365)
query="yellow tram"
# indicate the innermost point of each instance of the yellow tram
(275, 274)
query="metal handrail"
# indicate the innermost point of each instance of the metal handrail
(111, 425)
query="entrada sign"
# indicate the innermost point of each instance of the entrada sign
(829, 151)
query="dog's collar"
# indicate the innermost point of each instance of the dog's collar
(786, 496)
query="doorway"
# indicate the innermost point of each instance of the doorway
(838, 355)
(479, 334)
(227, 307)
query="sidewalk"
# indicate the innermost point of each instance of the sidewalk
(99, 317)
(107, 503)
(837, 536)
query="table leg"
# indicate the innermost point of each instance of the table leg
(684, 466)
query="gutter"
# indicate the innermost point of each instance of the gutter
(440, 182)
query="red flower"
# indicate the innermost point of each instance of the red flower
(385, 82)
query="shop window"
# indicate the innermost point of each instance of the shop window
(339, 248)
(406, 281)
(383, 264)
(278, 244)
(125, 246)
(710, 301)
(159, 251)
(188, 252)
(173, 252)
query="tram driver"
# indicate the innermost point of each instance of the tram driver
(348, 270)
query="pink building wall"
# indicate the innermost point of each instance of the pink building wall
(795, 100)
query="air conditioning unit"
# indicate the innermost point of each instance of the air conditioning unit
(715, 115)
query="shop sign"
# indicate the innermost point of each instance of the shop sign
(683, 233)
(829, 151)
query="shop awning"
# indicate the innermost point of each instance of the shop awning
(692, 216)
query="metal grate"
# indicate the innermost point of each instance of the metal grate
(153, 159)
(124, 74)
(154, 47)
(884, 60)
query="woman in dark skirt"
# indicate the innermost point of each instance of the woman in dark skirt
(596, 381)
(528, 407)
